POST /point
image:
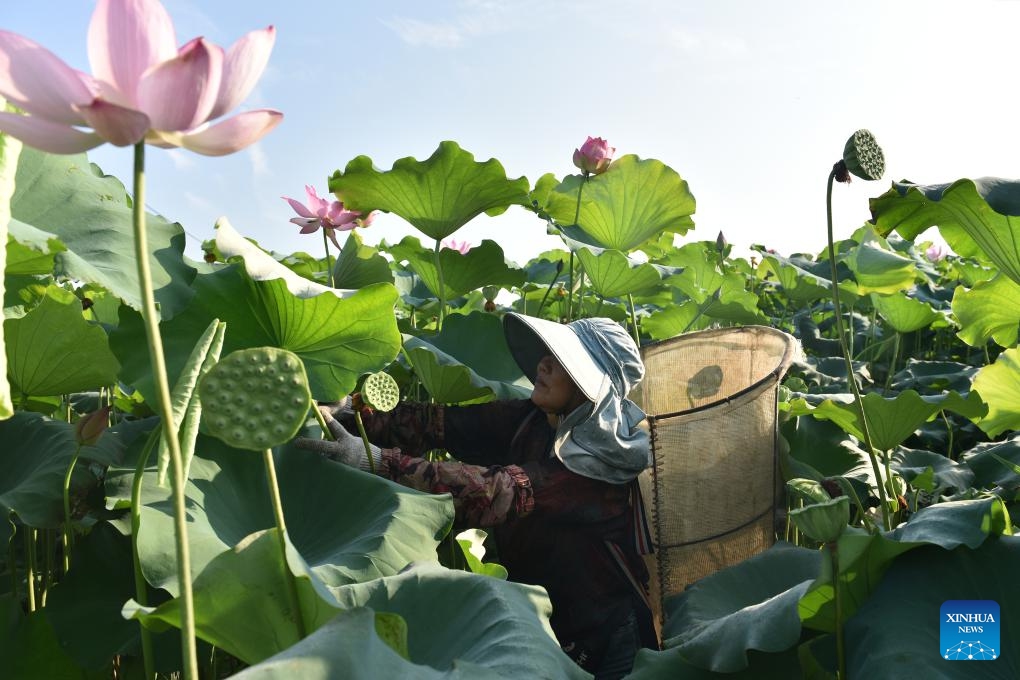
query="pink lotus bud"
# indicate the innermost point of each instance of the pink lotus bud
(90, 427)
(461, 247)
(594, 156)
(934, 253)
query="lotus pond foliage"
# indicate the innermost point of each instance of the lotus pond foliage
(144, 538)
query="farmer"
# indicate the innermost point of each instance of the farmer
(553, 477)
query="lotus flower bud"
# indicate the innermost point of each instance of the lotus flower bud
(89, 428)
(935, 253)
(824, 521)
(594, 156)
(721, 243)
(863, 156)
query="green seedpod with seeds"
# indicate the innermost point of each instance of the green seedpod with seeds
(863, 156)
(380, 391)
(255, 398)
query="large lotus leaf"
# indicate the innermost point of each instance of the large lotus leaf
(985, 460)
(384, 526)
(29, 250)
(34, 457)
(626, 205)
(349, 647)
(70, 199)
(483, 265)
(670, 665)
(798, 284)
(675, 319)
(938, 376)
(998, 384)
(977, 218)
(864, 557)
(337, 339)
(722, 294)
(878, 269)
(85, 607)
(438, 195)
(989, 310)
(457, 381)
(54, 350)
(30, 649)
(896, 633)
(751, 605)
(241, 600)
(945, 473)
(359, 265)
(822, 445)
(476, 340)
(10, 148)
(613, 274)
(890, 421)
(455, 616)
(904, 313)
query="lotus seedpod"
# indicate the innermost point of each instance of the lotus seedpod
(825, 521)
(863, 156)
(255, 398)
(380, 391)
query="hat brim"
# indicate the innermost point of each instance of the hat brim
(531, 339)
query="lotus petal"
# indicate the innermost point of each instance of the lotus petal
(232, 134)
(179, 93)
(300, 209)
(46, 136)
(242, 67)
(40, 82)
(126, 38)
(118, 125)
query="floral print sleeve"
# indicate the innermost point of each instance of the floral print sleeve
(482, 496)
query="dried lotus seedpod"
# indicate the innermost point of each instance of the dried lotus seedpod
(255, 398)
(380, 391)
(863, 156)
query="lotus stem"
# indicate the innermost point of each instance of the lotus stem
(11, 555)
(364, 438)
(68, 535)
(30, 567)
(47, 576)
(329, 266)
(322, 423)
(164, 408)
(281, 530)
(141, 591)
(442, 287)
(633, 320)
(837, 589)
(858, 400)
(570, 274)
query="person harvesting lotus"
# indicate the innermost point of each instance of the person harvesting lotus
(553, 476)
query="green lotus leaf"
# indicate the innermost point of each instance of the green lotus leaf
(824, 521)
(241, 601)
(987, 311)
(675, 319)
(472, 545)
(54, 350)
(385, 526)
(67, 198)
(625, 206)
(904, 313)
(822, 445)
(938, 376)
(800, 285)
(751, 605)
(337, 339)
(997, 383)
(30, 251)
(456, 618)
(35, 455)
(483, 265)
(896, 632)
(31, 649)
(977, 218)
(613, 274)
(878, 269)
(437, 196)
(945, 473)
(670, 665)
(890, 421)
(986, 462)
(864, 557)
(449, 382)
(476, 340)
(359, 265)
(10, 149)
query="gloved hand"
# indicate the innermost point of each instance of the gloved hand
(348, 449)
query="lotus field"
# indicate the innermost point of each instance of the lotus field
(161, 521)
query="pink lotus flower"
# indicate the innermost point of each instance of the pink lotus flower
(934, 253)
(594, 156)
(330, 216)
(142, 88)
(461, 247)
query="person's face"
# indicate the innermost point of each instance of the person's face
(555, 393)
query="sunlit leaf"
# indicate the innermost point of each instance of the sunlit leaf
(613, 274)
(483, 265)
(359, 265)
(998, 384)
(989, 310)
(448, 383)
(878, 269)
(437, 196)
(904, 313)
(625, 206)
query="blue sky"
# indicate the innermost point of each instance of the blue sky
(749, 101)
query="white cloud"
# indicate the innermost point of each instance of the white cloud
(259, 161)
(182, 160)
(708, 42)
(427, 34)
(473, 18)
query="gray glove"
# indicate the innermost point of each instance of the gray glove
(348, 448)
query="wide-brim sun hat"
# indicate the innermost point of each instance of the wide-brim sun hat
(531, 339)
